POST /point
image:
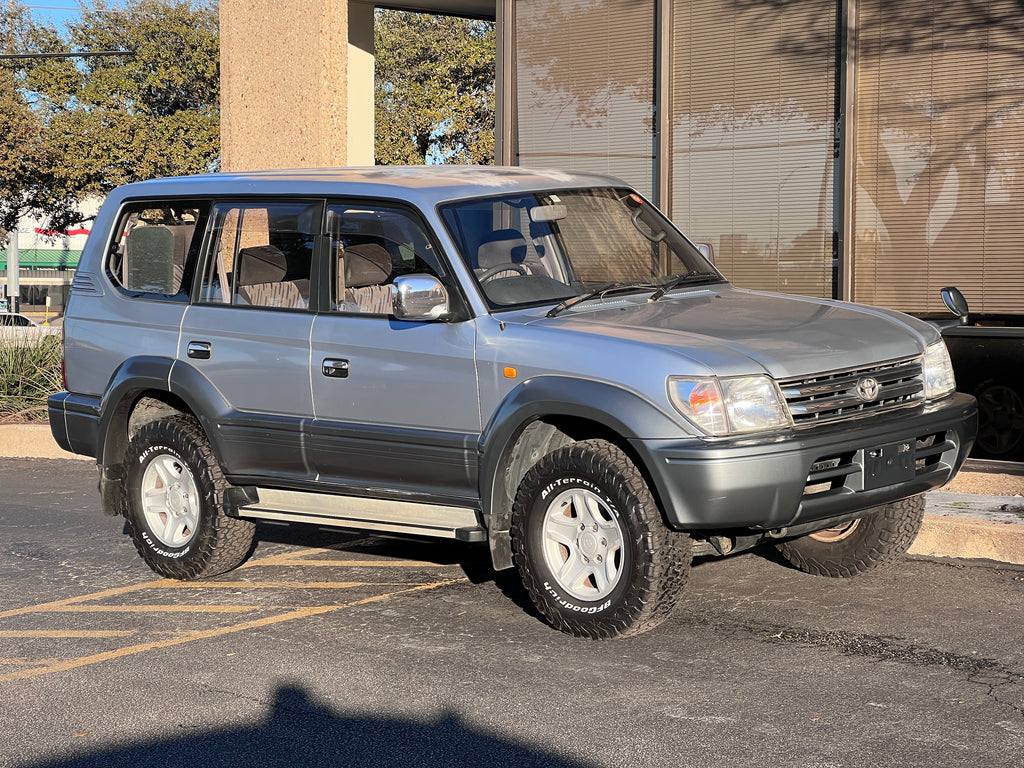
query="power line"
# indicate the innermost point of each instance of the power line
(65, 55)
(81, 9)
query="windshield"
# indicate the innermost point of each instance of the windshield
(566, 246)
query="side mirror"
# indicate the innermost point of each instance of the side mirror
(955, 303)
(419, 297)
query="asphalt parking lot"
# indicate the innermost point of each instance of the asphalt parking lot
(333, 648)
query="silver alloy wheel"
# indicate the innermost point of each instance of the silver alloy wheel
(582, 544)
(170, 500)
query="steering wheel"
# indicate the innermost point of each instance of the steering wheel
(494, 271)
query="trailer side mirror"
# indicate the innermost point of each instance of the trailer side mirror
(955, 303)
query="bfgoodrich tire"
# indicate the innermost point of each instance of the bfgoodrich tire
(590, 544)
(876, 539)
(174, 492)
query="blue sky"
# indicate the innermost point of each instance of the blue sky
(58, 12)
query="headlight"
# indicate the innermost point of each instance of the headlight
(730, 406)
(938, 371)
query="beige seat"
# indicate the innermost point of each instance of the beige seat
(261, 272)
(367, 271)
(505, 246)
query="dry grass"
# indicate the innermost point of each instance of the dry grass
(30, 370)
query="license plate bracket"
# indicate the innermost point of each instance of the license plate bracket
(889, 464)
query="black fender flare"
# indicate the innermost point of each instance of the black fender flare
(621, 411)
(161, 374)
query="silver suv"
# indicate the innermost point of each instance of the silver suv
(536, 360)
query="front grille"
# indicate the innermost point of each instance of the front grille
(830, 397)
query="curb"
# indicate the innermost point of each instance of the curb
(970, 526)
(31, 441)
(973, 526)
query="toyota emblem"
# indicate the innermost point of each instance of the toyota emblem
(868, 389)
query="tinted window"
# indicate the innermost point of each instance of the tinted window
(546, 247)
(261, 254)
(155, 246)
(370, 247)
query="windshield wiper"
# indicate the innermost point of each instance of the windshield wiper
(600, 291)
(691, 278)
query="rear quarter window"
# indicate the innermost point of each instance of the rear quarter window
(155, 246)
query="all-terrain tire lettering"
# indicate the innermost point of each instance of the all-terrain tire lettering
(655, 560)
(219, 542)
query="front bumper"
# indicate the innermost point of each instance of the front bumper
(771, 482)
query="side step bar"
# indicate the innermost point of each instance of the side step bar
(459, 523)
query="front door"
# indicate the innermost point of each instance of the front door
(396, 408)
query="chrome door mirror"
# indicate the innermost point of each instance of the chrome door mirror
(419, 297)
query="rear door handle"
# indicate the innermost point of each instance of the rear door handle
(335, 368)
(200, 350)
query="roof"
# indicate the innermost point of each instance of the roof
(475, 9)
(422, 184)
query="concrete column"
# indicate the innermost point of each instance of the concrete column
(296, 83)
(360, 84)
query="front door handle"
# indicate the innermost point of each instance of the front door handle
(200, 350)
(335, 368)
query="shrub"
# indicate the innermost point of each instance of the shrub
(29, 373)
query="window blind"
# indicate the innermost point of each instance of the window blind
(585, 87)
(753, 138)
(940, 154)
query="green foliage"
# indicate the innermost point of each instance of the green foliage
(30, 370)
(78, 127)
(95, 123)
(26, 181)
(434, 86)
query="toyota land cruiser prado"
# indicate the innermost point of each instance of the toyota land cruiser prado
(535, 360)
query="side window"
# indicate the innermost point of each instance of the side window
(155, 247)
(370, 247)
(260, 254)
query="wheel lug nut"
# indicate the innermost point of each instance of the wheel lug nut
(604, 542)
(600, 559)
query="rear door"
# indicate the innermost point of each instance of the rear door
(247, 332)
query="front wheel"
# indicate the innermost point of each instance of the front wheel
(590, 545)
(173, 503)
(877, 538)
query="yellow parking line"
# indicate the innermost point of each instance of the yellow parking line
(366, 563)
(30, 663)
(268, 584)
(287, 557)
(42, 607)
(65, 632)
(68, 664)
(154, 608)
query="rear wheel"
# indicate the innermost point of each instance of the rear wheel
(174, 492)
(590, 544)
(877, 538)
